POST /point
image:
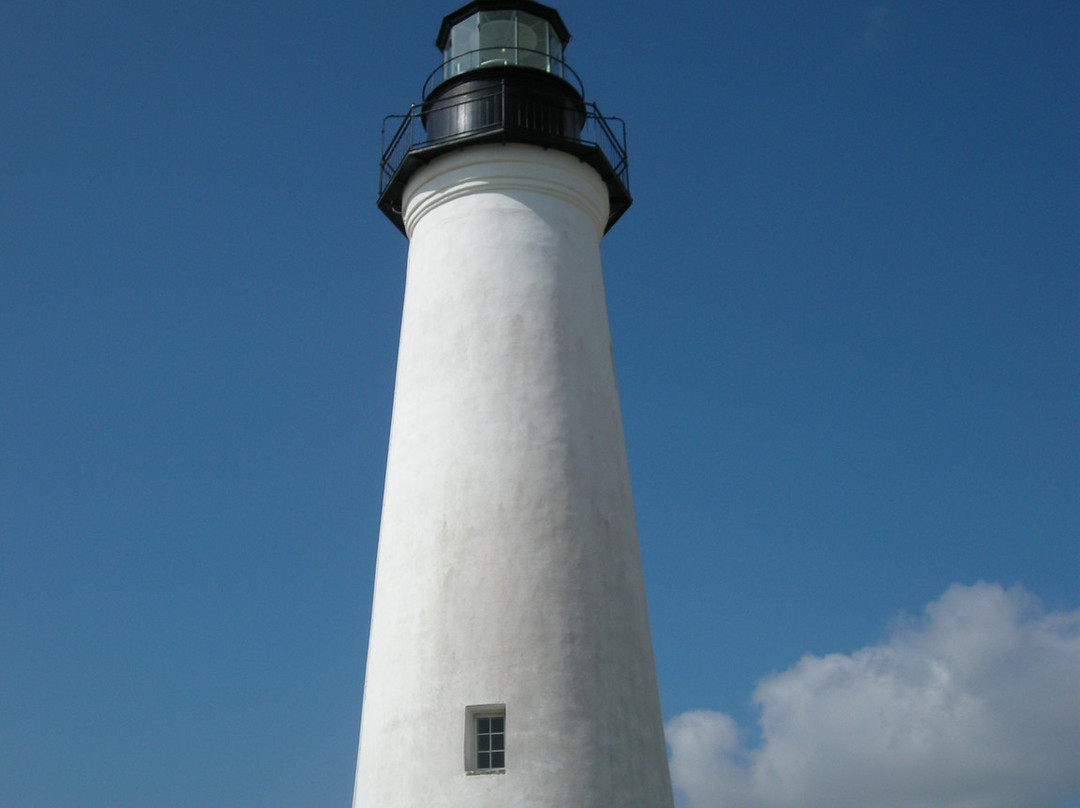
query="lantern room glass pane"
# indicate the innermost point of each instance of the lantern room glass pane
(497, 38)
(556, 51)
(461, 50)
(532, 41)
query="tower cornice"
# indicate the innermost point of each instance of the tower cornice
(508, 169)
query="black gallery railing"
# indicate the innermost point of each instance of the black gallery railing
(503, 111)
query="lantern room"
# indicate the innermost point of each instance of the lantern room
(499, 34)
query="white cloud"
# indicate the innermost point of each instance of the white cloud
(976, 705)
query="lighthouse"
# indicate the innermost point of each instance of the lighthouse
(510, 662)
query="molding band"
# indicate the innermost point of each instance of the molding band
(493, 168)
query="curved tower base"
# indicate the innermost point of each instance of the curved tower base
(509, 591)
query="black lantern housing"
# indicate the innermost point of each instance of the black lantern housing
(503, 80)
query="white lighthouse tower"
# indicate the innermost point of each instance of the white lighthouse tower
(509, 662)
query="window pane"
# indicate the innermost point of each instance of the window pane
(460, 53)
(483, 725)
(495, 16)
(497, 723)
(556, 53)
(483, 743)
(464, 37)
(498, 760)
(497, 36)
(532, 41)
(531, 32)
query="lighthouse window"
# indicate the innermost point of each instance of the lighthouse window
(490, 742)
(485, 727)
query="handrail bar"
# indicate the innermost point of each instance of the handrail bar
(576, 83)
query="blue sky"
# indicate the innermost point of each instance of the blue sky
(844, 312)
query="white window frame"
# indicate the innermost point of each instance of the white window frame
(473, 714)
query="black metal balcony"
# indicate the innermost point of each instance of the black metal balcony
(502, 104)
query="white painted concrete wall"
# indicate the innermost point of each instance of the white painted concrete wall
(508, 569)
